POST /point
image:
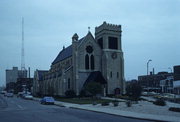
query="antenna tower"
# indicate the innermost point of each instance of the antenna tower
(22, 50)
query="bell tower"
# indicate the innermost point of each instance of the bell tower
(108, 36)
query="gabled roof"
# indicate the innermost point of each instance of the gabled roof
(95, 76)
(89, 34)
(81, 39)
(65, 53)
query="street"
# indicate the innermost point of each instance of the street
(20, 110)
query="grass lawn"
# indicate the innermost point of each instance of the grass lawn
(82, 100)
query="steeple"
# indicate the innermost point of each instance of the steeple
(89, 29)
(75, 37)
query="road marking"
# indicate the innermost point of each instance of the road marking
(20, 106)
(12, 101)
(1, 101)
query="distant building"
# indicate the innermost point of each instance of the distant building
(130, 82)
(162, 82)
(154, 82)
(13, 74)
(176, 86)
(89, 59)
(37, 82)
(176, 72)
(177, 79)
(10, 86)
(167, 84)
(24, 84)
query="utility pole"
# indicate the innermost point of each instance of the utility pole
(170, 69)
(148, 66)
(22, 51)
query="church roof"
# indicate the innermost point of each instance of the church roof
(95, 76)
(65, 53)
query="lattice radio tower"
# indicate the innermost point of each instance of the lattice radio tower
(22, 50)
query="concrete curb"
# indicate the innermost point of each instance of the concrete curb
(126, 114)
(58, 104)
(117, 115)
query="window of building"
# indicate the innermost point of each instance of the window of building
(117, 74)
(100, 42)
(113, 42)
(69, 83)
(111, 74)
(54, 75)
(89, 49)
(89, 58)
(59, 73)
(92, 62)
(86, 61)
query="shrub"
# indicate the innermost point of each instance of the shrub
(85, 93)
(134, 91)
(115, 103)
(94, 103)
(105, 103)
(174, 109)
(93, 88)
(70, 93)
(128, 103)
(50, 91)
(160, 102)
(82, 93)
(110, 95)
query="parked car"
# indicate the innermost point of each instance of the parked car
(151, 93)
(20, 94)
(9, 94)
(23, 95)
(28, 97)
(144, 93)
(168, 96)
(3, 92)
(47, 100)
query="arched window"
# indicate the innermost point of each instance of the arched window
(92, 62)
(69, 83)
(86, 61)
(111, 74)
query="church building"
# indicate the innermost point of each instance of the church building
(97, 58)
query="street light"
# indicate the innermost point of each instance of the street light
(148, 66)
(170, 69)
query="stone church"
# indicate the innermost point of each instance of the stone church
(89, 59)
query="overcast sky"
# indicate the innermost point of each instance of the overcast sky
(150, 30)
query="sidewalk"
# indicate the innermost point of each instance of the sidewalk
(124, 111)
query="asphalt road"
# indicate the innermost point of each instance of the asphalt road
(20, 110)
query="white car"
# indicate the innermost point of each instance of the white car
(144, 93)
(28, 97)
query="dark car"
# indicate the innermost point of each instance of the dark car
(9, 94)
(47, 100)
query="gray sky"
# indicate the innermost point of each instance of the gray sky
(151, 30)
